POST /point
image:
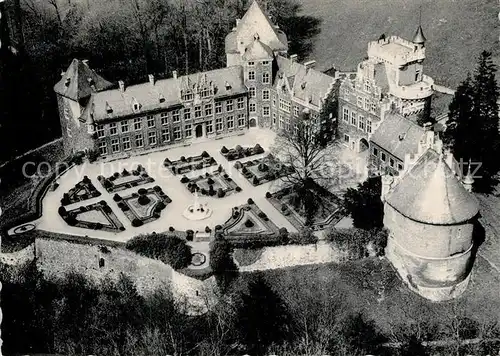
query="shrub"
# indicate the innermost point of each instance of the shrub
(236, 214)
(238, 165)
(244, 170)
(140, 168)
(171, 229)
(135, 195)
(250, 201)
(203, 191)
(305, 236)
(62, 211)
(167, 200)
(258, 149)
(262, 215)
(142, 191)
(220, 169)
(255, 180)
(106, 183)
(144, 175)
(249, 223)
(284, 208)
(99, 178)
(220, 193)
(205, 154)
(117, 198)
(98, 226)
(92, 155)
(283, 234)
(224, 150)
(157, 188)
(160, 205)
(86, 180)
(218, 227)
(199, 165)
(208, 230)
(135, 173)
(122, 228)
(184, 179)
(238, 148)
(136, 223)
(238, 189)
(121, 204)
(103, 203)
(125, 208)
(125, 172)
(65, 199)
(189, 234)
(156, 215)
(71, 220)
(183, 159)
(107, 209)
(268, 195)
(116, 174)
(210, 181)
(96, 194)
(112, 178)
(143, 200)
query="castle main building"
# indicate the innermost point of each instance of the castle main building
(260, 87)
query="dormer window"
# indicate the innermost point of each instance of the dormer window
(205, 93)
(303, 86)
(187, 95)
(228, 86)
(136, 106)
(67, 82)
(109, 109)
(161, 98)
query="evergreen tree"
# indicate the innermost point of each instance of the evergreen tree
(364, 204)
(472, 128)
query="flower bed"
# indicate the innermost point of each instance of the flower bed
(239, 152)
(192, 163)
(329, 214)
(216, 184)
(144, 206)
(98, 216)
(125, 180)
(263, 170)
(83, 190)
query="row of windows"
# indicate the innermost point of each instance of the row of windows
(366, 104)
(266, 77)
(252, 92)
(137, 123)
(252, 63)
(285, 122)
(383, 158)
(152, 136)
(359, 121)
(189, 94)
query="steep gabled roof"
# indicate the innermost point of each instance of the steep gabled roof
(257, 51)
(431, 193)
(398, 135)
(79, 81)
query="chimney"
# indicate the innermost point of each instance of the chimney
(238, 22)
(294, 57)
(86, 62)
(151, 78)
(121, 85)
(174, 74)
(309, 64)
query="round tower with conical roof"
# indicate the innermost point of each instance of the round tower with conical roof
(431, 218)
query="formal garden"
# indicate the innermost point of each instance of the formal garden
(328, 213)
(125, 179)
(216, 184)
(98, 216)
(83, 190)
(192, 163)
(239, 152)
(143, 206)
(263, 170)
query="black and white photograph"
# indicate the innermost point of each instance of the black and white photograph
(249, 178)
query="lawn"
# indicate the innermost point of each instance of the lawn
(372, 288)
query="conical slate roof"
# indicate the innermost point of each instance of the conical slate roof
(419, 37)
(80, 81)
(430, 193)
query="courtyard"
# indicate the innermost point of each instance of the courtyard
(157, 176)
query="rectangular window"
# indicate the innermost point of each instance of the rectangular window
(230, 122)
(188, 95)
(251, 63)
(218, 107)
(241, 120)
(139, 141)
(197, 112)
(177, 133)
(265, 78)
(175, 116)
(274, 119)
(345, 115)
(151, 122)
(138, 124)
(284, 105)
(208, 109)
(103, 148)
(165, 135)
(383, 156)
(229, 105)
(240, 103)
(100, 131)
(68, 131)
(218, 124)
(205, 93)
(367, 86)
(375, 151)
(152, 138)
(367, 104)
(374, 107)
(346, 138)
(359, 102)
(288, 124)
(113, 128)
(368, 126)
(252, 107)
(265, 63)
(251, 75)
(124, 125)
(353, 118)
(274, 101)
(187, 113)
(188, 131)
(126, 143)
(391, 162)
(164, 118)
(252, 92)
(210, 127)
(400, 167)
(296, 110)
(266, 111)
(265, 94)
(361, 122)
(282, 122)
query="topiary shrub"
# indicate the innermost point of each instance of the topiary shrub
(238, 148)
(103, 203)
(236, 214)
(189, 235)
(183, 159)
(255, 181)
(220, 169)
(107, 209)
(238, 165)
(142, 191)
(218, 227)
(121, 204)
(117, 198)
(268, 195)
(160, 205)
(140, 168)
(283, 234)
(220, 193)
(171, 229)
(86, 180)
(98, 226)
(116, 174)
(137, 223)
(157, 188)
(125, 172)
(210, 181)
(62, 211)
(208, 230)
(250, 201)
(238, 189)
(106, 183)
(284, 208)
(249, 223)
(65, 199)
(167, 200)
(184, 180)
(205, 154)
(143, 200)
(135, 172)
(224, 150)
(71, 220)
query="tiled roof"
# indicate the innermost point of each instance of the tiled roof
(430, 193)
(398, 135)
(255, 21)
(78, 80)
(258, 51)
(308, 85)
(148, 95)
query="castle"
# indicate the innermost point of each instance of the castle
(260, 87)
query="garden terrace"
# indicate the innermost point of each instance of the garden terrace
(263, 170)
(98, 216)
(83, 190)
(216, 184)
(329, 213)
(239, 152)
(144, 206)
(125, 180)
(192, 163)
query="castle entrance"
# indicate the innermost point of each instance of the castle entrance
(199, 130)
